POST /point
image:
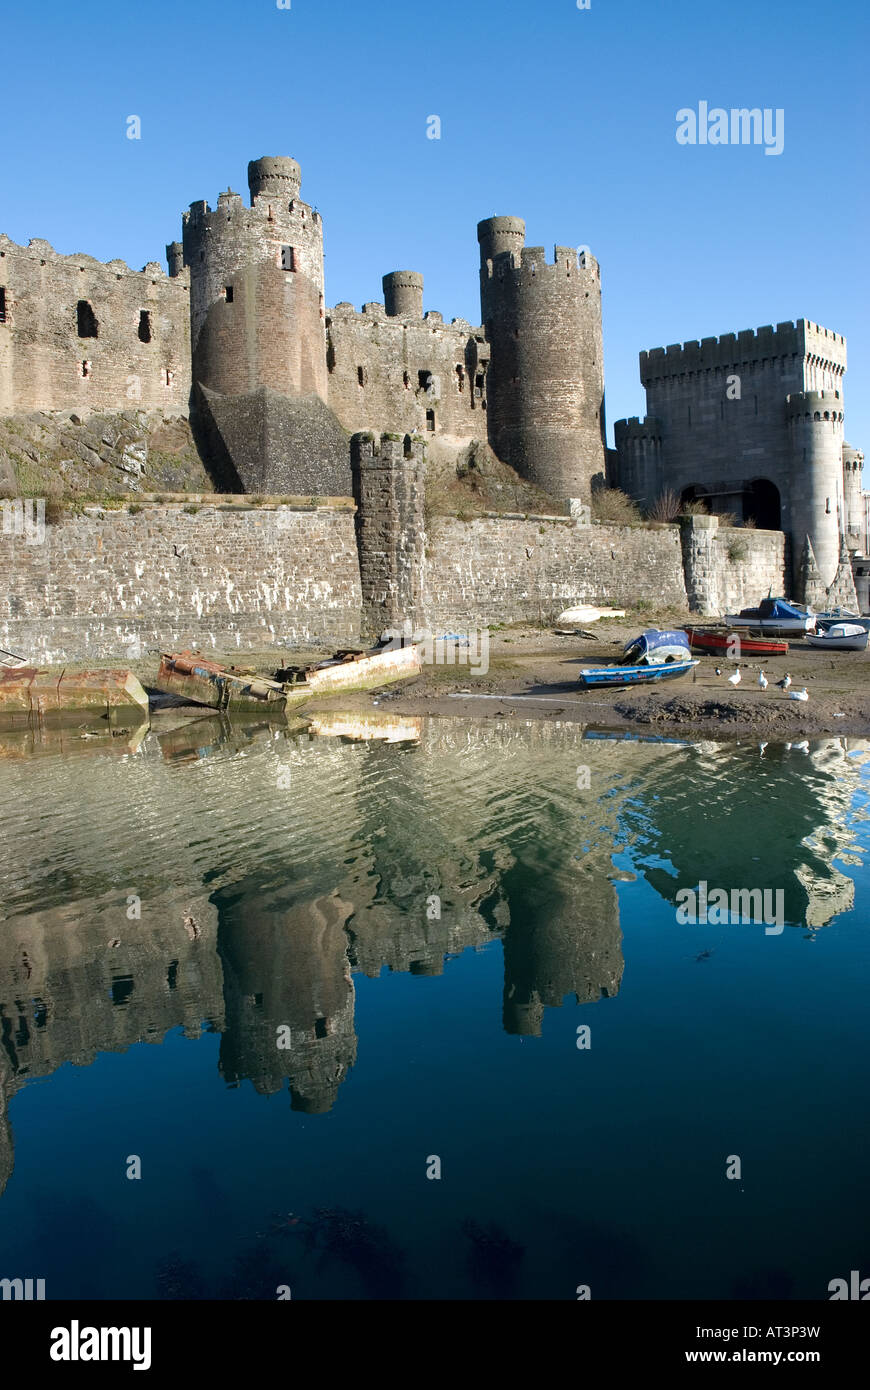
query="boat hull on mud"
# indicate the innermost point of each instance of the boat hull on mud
(604, 677)
(203, 682)
(721, 640)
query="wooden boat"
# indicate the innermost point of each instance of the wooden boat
(776, 616)
(717, 639)
(840, 637)
(241, 690)
(601, 677)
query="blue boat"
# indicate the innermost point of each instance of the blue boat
(598, 677)
(654, 647)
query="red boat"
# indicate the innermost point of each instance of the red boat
(710, 639)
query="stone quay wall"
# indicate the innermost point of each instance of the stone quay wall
(224, 576)
(111, 585)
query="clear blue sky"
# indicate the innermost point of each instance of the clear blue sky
(562, 116)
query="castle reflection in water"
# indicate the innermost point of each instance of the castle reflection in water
(272, 864)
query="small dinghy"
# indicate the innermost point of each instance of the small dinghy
(598, 677)
(653, 656)
(582, 615)
(840, 637)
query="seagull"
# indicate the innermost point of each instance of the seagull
(718, 670)
(785, 682)
(799, 694)
(762, 680)
(735, 679)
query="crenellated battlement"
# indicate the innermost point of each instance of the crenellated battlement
(648, 429)
(801, 338)
(38, 248)
(814, 406)
(531, 263)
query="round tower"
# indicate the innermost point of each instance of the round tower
(853, 466)
(500, 235)
(639, 447)
(403, 294)
(277, 176)
(256, 287)
(175, 258)
(545, 386)
(815, 503)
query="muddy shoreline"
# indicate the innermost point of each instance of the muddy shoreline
(533, 675)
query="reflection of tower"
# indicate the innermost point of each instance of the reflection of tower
(286, 967)
(567, 943)
(545, 389)
(7, 1148)
(66, 995)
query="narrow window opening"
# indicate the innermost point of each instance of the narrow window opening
(478, 384)
(361, 375)
(228, 292)
(2, 304)
(86, 320)
(169, 377)
(430, 421)
(144, 326)
(424, 380)
(86, 369)
(406, 379)
(320, 1029)
(288, 258)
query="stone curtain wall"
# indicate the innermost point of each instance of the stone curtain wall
(496, 570)
(109, 587)
(42, 356)
(222, 579)
(728, 568)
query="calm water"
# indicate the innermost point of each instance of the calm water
(290, 885)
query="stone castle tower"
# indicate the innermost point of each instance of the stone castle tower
(751, 423)
(258, 333)
(546, 380)
(282, 382)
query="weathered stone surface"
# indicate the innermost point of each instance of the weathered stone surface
(112, 585)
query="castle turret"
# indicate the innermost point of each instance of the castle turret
(546, 379)
(256, 287)
(258, 334)
(403, 294)
(274, 176)
(853, 497)
(639, 450)
(175, 258)
(815, 421)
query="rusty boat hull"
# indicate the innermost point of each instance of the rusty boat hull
(193, 677)
(29, 696)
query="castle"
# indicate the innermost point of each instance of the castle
(238, 337)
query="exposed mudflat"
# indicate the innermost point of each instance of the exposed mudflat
(533, 674)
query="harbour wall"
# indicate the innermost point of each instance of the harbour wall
(225, 576)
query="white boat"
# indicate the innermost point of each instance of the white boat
(840, 637)
(775, 616)
(586, 613)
